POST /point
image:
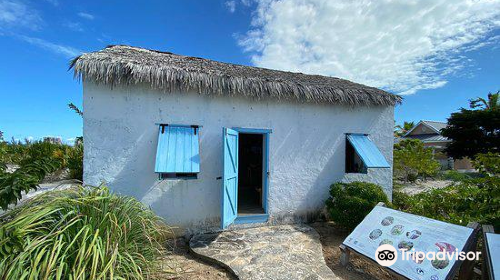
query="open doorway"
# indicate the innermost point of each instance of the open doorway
(250, 174)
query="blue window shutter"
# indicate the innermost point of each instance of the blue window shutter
(367, 151)
(177, 150)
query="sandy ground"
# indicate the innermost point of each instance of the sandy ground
(423, 186)
(187, 266)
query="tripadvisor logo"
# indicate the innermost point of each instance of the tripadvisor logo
(386, 255)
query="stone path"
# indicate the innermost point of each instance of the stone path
(277, 252)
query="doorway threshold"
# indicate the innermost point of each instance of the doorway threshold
(251, 218)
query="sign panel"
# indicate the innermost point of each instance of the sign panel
(493, 242)
(414, 234)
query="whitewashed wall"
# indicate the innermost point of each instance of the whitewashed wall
(307, 149)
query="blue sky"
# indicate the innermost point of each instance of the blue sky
(436, 60)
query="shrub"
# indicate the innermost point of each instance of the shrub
(413, 160)
(24, 179)
(36, 160)
(83, 233)
(488, 163)
(14, 152)
(454, 175)
(45, 150)
(75, 162)
(349, 203)
(473, 200)
(401, 200)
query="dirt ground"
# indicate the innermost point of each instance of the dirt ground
(358, 269)
(186, 266)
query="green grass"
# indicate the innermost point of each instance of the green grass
(85, 233)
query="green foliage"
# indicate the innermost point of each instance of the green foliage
(24, 179)
(493, 102)
(75, 161)
(454, 175)
(14, 152)
(474, 131)
(75, 109)
(84, 233)
(401, 201)
(349, 203)
(36, 160)
(400, 130)
(488, 163)
(413, 160)
(473, 200)
(45, 150)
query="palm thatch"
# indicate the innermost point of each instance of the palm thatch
(171, 72)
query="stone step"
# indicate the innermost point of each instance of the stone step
(273, 252)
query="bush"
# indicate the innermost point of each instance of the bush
(13, 153)
(454, 175)
(349, 203)
(488, 164)
(413, 160)
(45, 150)
(75, 162)
(401, 200)
(473, 200)
(24, 179)
(85, 233)
(36, 160)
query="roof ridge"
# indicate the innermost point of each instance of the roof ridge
(433, 121)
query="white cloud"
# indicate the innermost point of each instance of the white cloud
(70, 141)
(66, 51)
(402, 46)
(86, 16)
(15, 13)
(75, 26)
(231, 6)
(247, 3)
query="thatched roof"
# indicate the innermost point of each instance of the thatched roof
(170, 72)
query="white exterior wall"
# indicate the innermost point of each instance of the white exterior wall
(306, 154)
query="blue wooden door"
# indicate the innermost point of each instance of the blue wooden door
(229, 207)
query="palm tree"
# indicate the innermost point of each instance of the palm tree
(493, 102)
(402, 130)
(75, 109)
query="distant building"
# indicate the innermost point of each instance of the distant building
(53, 140)
(429, 132)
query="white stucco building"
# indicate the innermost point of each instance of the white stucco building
(199, 140)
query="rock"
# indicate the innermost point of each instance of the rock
(276, 252)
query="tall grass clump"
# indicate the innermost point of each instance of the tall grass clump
(82, 233)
